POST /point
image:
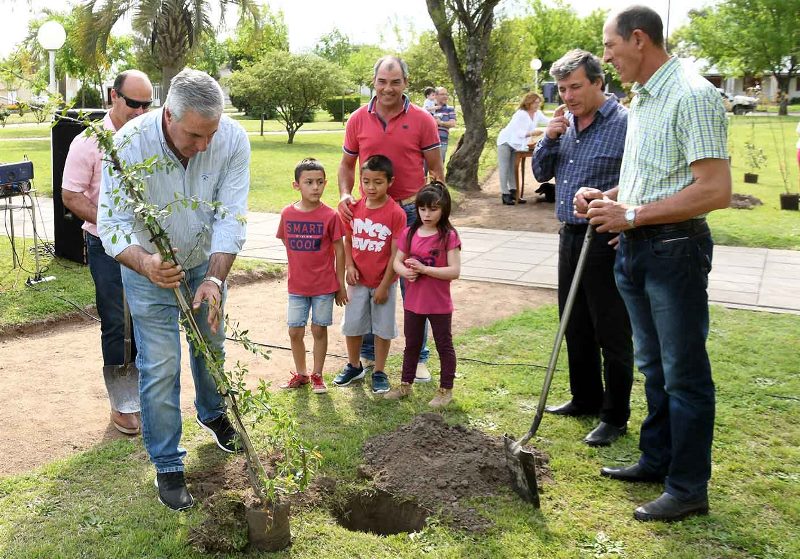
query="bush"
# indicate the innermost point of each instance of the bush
(87, 97)
(334, 106)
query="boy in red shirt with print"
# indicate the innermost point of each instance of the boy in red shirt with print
(369, 252)
(312, 233)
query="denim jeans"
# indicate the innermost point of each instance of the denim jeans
(663, 279)
(155, 313)
(598, 332)
(105, 272)
(368, 341)
(443, 148)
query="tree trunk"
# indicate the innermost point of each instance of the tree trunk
(475, 19)
(783, 95)
(167, 73)
(462, 169)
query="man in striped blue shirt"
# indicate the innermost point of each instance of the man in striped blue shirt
(675, 170)
(583, 147)
(208, 160)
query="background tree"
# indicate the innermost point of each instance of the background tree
(361, 63)
(172, 27)
(253, 38)
(334, 47)
(294, 84)
(427, 66)
(471, 23)
(747, 37)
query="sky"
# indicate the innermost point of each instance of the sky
(362, 20)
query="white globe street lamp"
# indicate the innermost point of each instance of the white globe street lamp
(51, 37)
(536, 65)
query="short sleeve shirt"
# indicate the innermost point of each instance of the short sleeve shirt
(404, 140)
(428, 295)
(372, 232)
(309, 238)
(83, 169)
(445, 113)
(675, 119)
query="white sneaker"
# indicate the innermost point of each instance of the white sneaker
(423, 374)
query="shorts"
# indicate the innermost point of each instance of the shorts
(362, 315)
(321, 307)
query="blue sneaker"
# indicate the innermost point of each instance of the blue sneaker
(380, 382)
(348, 375)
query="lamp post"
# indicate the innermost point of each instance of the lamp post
(51, 37)
(536, 65)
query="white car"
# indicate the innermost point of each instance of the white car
(738, 104)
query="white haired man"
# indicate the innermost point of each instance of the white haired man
(209, 156)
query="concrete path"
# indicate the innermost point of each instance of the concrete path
(747, 278)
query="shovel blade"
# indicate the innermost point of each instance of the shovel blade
(522, 467)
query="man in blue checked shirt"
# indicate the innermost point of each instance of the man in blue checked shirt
(583, 146)
(675, 170)
(209, 156)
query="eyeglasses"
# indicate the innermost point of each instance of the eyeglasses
(133, 103)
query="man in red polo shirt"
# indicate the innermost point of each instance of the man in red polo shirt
(391, 125)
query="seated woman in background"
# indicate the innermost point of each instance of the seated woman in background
(515, 137)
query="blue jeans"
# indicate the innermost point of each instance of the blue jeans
(662, 278)
(443, 148)
(368, 341)
(105, 272)
(155, 313)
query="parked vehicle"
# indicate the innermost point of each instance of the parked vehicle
(738, 104)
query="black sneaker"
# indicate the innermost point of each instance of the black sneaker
(223, 432)
(172, 491)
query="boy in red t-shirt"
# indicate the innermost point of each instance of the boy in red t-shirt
(369, 251)
(312, 233)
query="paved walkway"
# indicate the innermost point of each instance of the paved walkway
(749, 278)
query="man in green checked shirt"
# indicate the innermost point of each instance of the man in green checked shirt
(674, 171)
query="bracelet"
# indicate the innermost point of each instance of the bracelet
(216, 281)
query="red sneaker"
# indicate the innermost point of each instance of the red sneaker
(318, 384)
(296, 381)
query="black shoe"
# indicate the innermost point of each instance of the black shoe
(172, 491)
(604, 434)
(223, 432)
(669, 509)
(633, 474)
(521, 201)
(508, 200)
(569, 409)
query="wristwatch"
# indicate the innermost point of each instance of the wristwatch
(630, 216)
(216, 281)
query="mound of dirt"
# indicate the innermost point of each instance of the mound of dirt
(440, 466)
(744, 202)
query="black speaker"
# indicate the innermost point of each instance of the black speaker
(69, 242)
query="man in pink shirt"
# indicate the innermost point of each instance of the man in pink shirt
(392, 126)
(131, 96)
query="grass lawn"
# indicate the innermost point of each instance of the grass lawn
(72, 289)
(102, 503)
(273, 162)
(765, 226)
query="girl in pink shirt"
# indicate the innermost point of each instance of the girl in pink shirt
(429, 258)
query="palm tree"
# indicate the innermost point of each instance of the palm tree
(171, 27)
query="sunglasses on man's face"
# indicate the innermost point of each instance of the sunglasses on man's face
(133, 103)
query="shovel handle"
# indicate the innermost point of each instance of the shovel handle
(562, 328)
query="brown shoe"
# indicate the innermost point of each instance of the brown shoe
(399, 392)
(126, 423)
(443, 397)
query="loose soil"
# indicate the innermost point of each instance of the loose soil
(484, 209)
(457, 465)
(53, 401)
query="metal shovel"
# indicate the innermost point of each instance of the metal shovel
(522, 463)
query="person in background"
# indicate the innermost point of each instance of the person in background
(430, 99)
(445, 116)
(516, 136)
(131, 96)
